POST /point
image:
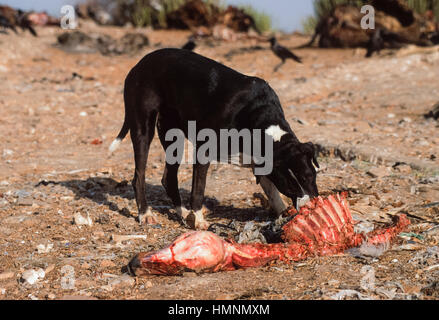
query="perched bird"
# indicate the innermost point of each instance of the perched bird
(24, 22)
(10, 18)
(434, 38)
(190, 45)
(6, 24)
(380, 39)
(283, 53)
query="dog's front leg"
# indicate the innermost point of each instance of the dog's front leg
(170, 183)
(273, 195)
(196, 218)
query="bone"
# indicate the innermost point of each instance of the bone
(121, 238)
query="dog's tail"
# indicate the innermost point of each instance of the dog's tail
(122, 134)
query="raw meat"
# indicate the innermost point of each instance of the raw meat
(322, 227)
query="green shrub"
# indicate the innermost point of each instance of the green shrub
(262, 20)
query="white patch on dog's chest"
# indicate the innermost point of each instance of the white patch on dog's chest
(275, 132)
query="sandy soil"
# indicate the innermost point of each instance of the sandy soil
(366, 116)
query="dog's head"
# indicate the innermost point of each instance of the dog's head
(294, 173)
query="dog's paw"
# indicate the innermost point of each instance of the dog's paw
(182, 212)
(148, 218)
(195, 220)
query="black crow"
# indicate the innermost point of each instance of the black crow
(5, 23)
(24, 22)
(434, 38)
(381, 38)
(283, 53)
(190, 45)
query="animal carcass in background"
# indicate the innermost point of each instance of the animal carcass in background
(322, 227)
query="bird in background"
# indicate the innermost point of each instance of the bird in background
(380, 38)
(24, 22)
(190, 45)
(6, 24)
(283, 53)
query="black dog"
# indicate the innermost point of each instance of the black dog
(174, 86)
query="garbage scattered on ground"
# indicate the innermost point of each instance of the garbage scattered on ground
(79, 42)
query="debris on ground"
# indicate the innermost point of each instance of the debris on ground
(79, 220)
(32, 276)
(80, 42)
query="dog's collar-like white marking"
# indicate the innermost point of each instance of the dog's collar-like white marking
(275, 132)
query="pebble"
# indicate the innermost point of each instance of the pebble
(41, 248)
(80, 220)
(119, 282)
(32, 276)
(7, 152)
(6, 275)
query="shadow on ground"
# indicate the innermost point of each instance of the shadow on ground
(98, 189)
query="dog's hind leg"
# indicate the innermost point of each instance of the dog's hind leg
(196, 218)
(170, 175)
(142, 134)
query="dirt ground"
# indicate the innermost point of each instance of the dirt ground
(366, 116)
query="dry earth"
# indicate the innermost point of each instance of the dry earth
(366, 115)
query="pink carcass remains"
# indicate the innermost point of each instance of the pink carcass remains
(323, 227)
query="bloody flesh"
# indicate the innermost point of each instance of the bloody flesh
(322, 227)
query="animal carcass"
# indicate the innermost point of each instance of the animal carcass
(322, 227)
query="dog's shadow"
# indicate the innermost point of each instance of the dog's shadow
(98, 190)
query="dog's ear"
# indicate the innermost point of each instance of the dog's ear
(310, 150)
